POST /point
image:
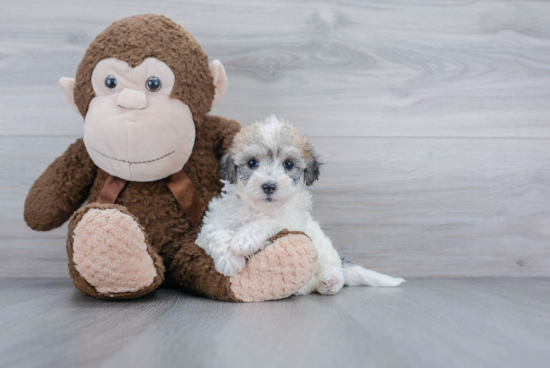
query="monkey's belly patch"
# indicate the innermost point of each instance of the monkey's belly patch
(110, 252)
(278, 271)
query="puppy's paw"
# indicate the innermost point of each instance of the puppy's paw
(244, 244)
(265, 244)
(330, 283)
(308, 288)
(229, 264)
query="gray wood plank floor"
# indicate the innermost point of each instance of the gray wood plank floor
(433, 118)
(479, 322)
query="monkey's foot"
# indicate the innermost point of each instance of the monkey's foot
(278, 271)
(109, 256)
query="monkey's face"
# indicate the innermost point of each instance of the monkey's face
(133, 129)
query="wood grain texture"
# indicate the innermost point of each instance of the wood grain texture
(411, 207)
(425, 207)
(33, 257)
(425, 323)
(381, 68)
(433, 119)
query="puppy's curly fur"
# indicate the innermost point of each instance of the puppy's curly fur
(267, 171)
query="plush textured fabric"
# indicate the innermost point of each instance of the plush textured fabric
(73, 178)
(168, 231)
(133, 133)
(135, 38)
(132, 78)
(132, 99)
(110, 252)
(278, 271)
(187, 196)
(153, 227)
(80, 282)
(139, 145)
(67, 85)
(61, 189)
(220, 80)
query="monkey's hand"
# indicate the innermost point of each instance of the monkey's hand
(61, 189)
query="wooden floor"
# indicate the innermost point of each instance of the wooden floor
(482, 322)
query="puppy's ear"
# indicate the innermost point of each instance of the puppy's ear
(312, 170)
(228, 168)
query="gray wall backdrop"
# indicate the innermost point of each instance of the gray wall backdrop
(433, 119)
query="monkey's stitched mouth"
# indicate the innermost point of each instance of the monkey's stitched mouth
(133, 163)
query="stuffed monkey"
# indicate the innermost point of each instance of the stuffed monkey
(147, 166)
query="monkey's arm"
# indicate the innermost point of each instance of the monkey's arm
(225, 131)
(61, 189)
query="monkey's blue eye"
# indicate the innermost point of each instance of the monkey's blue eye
(110, 82)
(252, 164)
(153, 84)
(288, 165)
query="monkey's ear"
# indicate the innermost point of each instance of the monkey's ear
(220, 80)
(228, 168)
(67, 85)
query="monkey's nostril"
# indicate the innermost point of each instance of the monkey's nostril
(269, 188)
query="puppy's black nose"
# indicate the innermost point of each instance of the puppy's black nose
(269, 188)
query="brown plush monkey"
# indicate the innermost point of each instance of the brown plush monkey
(148, 165)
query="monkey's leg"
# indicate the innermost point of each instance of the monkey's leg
(276, 272)
(109, 256)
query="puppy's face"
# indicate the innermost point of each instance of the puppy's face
(269, 162)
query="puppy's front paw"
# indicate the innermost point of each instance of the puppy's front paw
(244, 244)
(330, 283)
(229, 264)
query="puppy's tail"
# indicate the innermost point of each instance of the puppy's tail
(355, 275)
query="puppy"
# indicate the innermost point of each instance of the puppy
(266, 173)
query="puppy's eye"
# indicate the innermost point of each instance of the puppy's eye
(153, 84)
(252, 164)
(288, 165)
(110, 82)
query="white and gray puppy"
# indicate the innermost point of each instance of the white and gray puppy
(266, 173)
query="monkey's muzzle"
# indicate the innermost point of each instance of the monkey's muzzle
(132, 99)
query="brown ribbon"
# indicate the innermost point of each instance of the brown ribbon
(187, 196)
(111, 189)
(179, 184)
